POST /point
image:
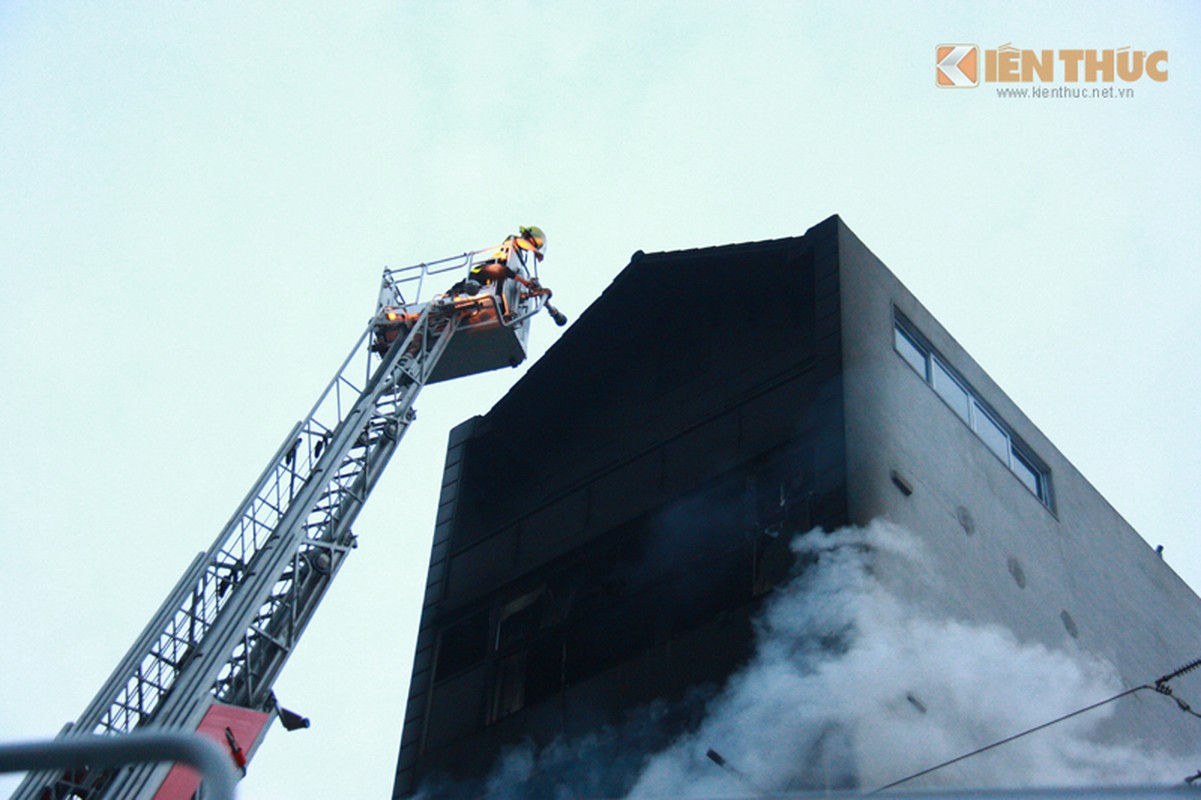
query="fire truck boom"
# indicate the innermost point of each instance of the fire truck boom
(209, 657)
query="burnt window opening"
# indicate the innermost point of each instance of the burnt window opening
(783, 490)
(508, 690)
(705, 592)
(611, 635)
(523, 678)
(462, 645)
(519, 619)
(699, 522)
(772, 562)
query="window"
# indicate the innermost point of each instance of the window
(508, 688)
(529, 653)
(1027, 473)
(911, 351)
(946, 385)
(463, 645)
(956, 392)
(992, 433)
(521, 618)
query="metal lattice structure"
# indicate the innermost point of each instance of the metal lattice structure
(231, 622)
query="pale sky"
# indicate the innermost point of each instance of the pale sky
(196, 200)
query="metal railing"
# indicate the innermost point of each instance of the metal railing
(215, 767)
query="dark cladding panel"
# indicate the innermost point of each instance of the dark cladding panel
(626, 492)
(553, 530)
(539, 537)
(456, 708)
(776, 415)
(830, 433)
(482, 566)
(700, 453)
(479, 469)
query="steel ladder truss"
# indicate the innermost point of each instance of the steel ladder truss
(229, 625)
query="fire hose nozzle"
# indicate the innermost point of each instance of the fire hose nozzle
(558, 316)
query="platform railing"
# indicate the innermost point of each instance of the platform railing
(215, 767)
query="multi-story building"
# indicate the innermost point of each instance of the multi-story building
(608, 531)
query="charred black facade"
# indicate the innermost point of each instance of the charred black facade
(682, 431)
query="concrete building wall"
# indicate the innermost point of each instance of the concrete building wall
(1071, 573)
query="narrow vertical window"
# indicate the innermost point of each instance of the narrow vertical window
(950, 390)
(992, 433)
(508, 688)
(913, 354)
(1027, 473)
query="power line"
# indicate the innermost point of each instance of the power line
(1161, 686)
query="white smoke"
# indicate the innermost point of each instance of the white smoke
(852, 688)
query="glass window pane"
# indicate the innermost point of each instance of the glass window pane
(911, 352)
(950, 389)
(996, 439)
(1027, 473)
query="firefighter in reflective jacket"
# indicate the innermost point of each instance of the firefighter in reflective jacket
(495, 268)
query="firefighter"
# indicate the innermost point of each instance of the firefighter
(495, 269)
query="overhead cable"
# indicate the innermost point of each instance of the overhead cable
(1160, 685)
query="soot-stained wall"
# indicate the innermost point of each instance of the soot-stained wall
(605, 531)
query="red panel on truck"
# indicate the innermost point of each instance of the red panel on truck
(245, 727)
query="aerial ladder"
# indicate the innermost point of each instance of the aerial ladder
(210, 655)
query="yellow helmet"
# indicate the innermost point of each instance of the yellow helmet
(535, 236)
